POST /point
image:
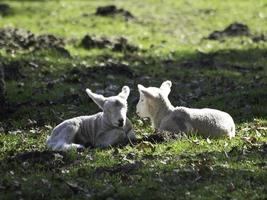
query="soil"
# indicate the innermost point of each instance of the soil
(119, 44)
(112, 10)
(13, 39)
(122, 44)
(89, 42)
(259, 38)
(234, 29)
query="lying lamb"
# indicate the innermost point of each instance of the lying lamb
(154, 104)
(103, 129)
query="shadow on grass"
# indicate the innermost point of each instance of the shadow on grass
(230, 80)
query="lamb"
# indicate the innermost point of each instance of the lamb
(103, 129)
(154, 104)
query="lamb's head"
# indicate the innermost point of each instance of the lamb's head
(114, 107)
(152, 99)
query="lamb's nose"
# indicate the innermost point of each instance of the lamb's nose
(120, 122)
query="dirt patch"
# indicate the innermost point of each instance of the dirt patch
(112, 10)
(122, 44)
(89, 42)
(259, 38)
(234, 29)
(13, 39)
(118, 44)
(120, 168)
(5, 9)
(162, 136)
(159, 137)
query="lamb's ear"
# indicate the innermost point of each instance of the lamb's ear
(97, 98)
(144, 90)
(125, 91)
(166, 87)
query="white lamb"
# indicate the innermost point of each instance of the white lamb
(103, 129)
(154, 104)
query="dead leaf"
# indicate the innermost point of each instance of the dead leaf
(250, 140)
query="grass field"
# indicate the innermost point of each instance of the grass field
(46, 81)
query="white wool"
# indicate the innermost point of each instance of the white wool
(103, 129)
(154, 104)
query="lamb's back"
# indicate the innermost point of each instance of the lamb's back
(207, 122)
(89, 127)
(211, 122)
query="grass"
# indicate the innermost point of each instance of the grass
(228, 74)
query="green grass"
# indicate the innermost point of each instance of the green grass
(228, 74)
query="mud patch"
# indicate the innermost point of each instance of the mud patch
(13, 39)
(118, 44)
(5, 9)
(234, 29)
(112, 10)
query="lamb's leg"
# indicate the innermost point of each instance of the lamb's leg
(131, 138)
(72, 146)
(130, 131)
(110, 138)
(62, 137)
